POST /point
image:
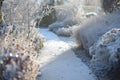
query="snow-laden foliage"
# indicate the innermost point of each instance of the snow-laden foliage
(107, 48)
(90, 31)
(19, 51)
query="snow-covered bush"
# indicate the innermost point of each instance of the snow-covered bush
(19, 51)
(55, 26)
(67, 14)
(61, 28)
(90, 31)
(64, 32)
(107, 49)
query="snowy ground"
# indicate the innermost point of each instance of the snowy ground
(58, 61)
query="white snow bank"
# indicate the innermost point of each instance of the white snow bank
(107, 48)
(58, 61)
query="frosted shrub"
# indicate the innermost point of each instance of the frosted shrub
(19, 51)
(90, 31)
(61, 29)
(55, 26)
(107, 48)
(64, 32)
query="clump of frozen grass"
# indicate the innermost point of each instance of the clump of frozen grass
(19, 51)
(90, 31)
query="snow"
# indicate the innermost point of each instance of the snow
(58, 61)
(49, 35)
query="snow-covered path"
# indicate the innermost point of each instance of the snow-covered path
(58, 61)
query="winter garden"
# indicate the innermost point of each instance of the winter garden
(59, 39)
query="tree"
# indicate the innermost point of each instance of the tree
(110, 5)
(1, 2)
